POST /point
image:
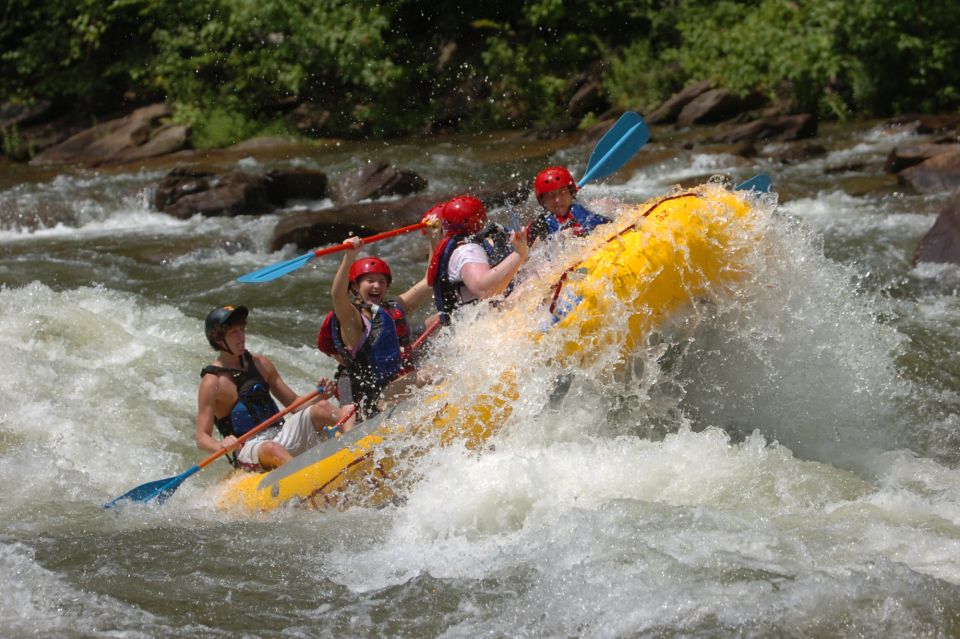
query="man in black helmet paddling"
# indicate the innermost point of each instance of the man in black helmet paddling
(237, 393)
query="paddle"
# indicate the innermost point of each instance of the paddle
(617, 145)
(269, 273)
(759, 183)
(161, 489)
(426, 333)
(332, 431)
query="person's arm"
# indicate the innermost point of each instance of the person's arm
(415, 297)
(486, 282)
(206, 403)
(351, 323)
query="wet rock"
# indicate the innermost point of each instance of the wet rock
(296, 184)
(777, 128)
(793, 152)
(715, 105)
(145, 133)
(21, 115)
(588, 98)
(667, 112)
(185, 193)
(935, 175)
(942, 241)
(309, 119)
(903, 157)
(311, 229)
(376, 180)
(927, 123)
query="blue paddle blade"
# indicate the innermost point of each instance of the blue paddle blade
(272, 272)
(760, 183)
(618, 145)
(158, 490)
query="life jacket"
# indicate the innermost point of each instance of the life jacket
(254, 403)
(579, 221)
(326, 344)
(381, 357)
(448, 295)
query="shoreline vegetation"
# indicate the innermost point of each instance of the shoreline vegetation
(230, 70)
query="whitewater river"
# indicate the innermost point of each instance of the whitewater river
(781, 461)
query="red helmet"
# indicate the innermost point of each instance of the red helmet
(463, 215)
(325, 336)
(551, 179)
(367, 265)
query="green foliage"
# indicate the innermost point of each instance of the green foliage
(904, 55)
(12, 143)
(771, 47)
(232, 68)
(637, 80)
(830, 56)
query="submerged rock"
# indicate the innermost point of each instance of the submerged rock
(942, 241)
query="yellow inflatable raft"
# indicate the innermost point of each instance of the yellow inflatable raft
(645, 267)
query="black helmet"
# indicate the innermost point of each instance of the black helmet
(219, 318)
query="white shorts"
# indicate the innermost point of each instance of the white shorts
(296, 435)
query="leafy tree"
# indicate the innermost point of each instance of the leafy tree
(903, 55)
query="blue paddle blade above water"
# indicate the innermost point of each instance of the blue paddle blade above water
(760, 183)
(272, 272)
(618, 145)
(158, 490)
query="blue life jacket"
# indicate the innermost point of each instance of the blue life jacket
(581, 222)
(447, 295)
(379, 360)
(254, 403)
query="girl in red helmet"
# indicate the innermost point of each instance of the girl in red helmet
(556, 189)
(367, 332)
(468, 265)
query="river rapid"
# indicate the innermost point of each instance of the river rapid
(784, 461)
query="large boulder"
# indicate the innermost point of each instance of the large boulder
(903, 157)
(667, 112)
(942, 241)
(927, 123)
(296, 184)
(779, 128)
(935, 175)
(184, 193)
(375, 180)
(715, 105)
(145, 133)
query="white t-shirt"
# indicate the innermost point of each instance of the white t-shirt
(464, 254)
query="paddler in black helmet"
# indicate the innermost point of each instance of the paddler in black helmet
(237, 393)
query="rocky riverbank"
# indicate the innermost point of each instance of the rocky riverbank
(379, 196)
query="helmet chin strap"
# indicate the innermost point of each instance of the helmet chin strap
(223, 346)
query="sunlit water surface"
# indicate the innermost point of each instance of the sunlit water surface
(779, 461)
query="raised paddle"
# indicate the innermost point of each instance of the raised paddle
(161, 489)
(759, 183)
(617, 145)
(269, 273)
